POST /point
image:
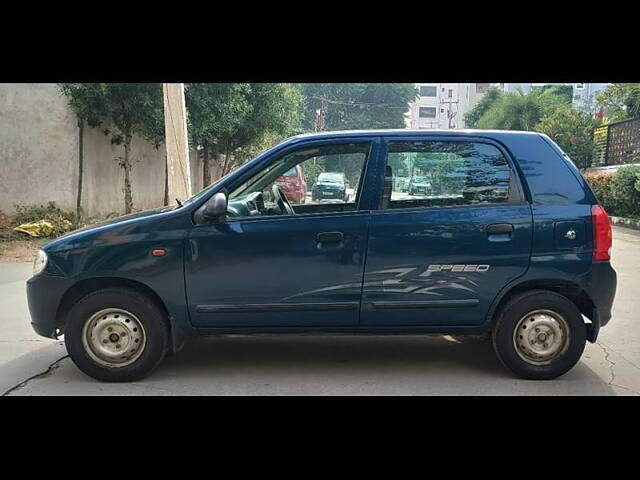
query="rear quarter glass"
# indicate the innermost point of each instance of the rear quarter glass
(558, 194)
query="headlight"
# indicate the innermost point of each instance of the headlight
(40, 262)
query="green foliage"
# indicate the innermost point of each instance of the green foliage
(121, 109)
(572, 130)
(472, 117)
(625, 191)
(520, 111)
(62, 221)
(619, 193)
(601, 184)
(564, 91)
(235, 119)
(620, 101)
(352, 106)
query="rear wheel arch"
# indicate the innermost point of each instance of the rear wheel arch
(572, 291)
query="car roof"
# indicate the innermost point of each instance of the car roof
(410, 132)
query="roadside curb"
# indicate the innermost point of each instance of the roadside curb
(626, 222)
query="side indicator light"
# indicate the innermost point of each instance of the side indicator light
(158, 252)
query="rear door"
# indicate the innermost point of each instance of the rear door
(440, 256)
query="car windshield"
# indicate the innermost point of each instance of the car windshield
(420, 180)
(330, 177)
(290, 173)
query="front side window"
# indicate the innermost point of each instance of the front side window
(320, 179)
(440, 174)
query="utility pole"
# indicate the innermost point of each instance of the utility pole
(175, 128)
(450, 113)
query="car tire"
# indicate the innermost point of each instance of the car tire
(554, 341)
(116, 335)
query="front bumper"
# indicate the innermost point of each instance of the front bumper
(44, 295)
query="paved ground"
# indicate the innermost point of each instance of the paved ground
(329, 365)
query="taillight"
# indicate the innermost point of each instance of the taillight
(602, 237)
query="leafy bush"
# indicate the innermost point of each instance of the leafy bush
(572, 130)
(601, 184)
(619, 193)
(625, 191)
(62, 221)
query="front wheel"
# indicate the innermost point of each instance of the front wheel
(539, 335)
(116, 335)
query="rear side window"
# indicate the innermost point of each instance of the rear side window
(441, 174)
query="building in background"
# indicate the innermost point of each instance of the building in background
(443, 105)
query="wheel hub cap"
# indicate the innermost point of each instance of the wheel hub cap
(114, 337)
(541, 336)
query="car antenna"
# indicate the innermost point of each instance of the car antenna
(179, 202)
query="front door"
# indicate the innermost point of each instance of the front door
(280, 262)
(453, 228)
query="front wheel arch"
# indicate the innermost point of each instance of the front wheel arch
(84, 287)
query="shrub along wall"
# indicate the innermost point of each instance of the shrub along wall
(619, 192)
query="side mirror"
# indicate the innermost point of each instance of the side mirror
(215, 209)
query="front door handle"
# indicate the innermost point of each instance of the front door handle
(499, 229)
(330, 237)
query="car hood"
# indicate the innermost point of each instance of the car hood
(87, 231)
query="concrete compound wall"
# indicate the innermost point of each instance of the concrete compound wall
(39, 157)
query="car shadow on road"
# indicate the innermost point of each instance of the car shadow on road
(312, 365)
(359, 365)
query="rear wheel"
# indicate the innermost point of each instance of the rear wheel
(539, 335)
(116, 335)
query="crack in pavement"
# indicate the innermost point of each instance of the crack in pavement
(613, 373)
(46, 373)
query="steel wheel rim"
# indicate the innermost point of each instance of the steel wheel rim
(541, 336)
(114, 338)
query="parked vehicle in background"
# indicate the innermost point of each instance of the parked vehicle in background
(330, 185)
(419, 185)
(293, 185)
(514, 244)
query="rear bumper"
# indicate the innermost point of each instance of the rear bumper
(44, 294)
(600, 284)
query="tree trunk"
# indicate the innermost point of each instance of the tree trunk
(206, 168)
(80, 169)
(126, 165)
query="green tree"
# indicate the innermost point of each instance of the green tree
(233, 120)
(573, 131)
(520, 111)
(347, 106)
(122, 110)
(215, 110)
(490, 97)
(620, 101)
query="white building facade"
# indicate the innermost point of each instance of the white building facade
(443, 105)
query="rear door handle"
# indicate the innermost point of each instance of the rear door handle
(330, 237)
(499, 228)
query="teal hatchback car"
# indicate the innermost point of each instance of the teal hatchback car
(512, 242)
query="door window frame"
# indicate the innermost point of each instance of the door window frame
(515, 180)
(364, 202)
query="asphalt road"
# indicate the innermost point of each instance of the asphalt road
(329, 365)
